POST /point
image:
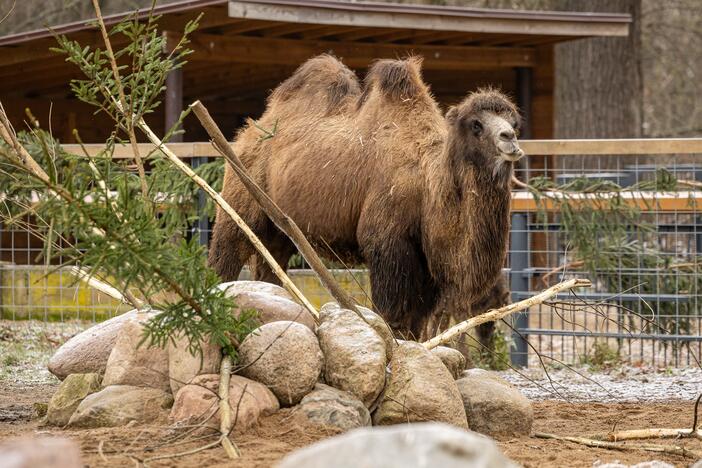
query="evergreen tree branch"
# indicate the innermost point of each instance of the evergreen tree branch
(122, 99)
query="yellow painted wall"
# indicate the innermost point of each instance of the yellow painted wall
(28, 292)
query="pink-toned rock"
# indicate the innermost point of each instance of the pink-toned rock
(88, 351)
(234, 288)
(40, 452)
(273, 308)
(285, 357)
(183, 366)
(196, 401)
(134, 363)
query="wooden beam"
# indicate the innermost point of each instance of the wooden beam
(651, 146)
(214, 48)
(647, 146)
(680, 202)
(173, 101)
(407, 17)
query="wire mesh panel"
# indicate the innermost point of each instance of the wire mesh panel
(632, 225)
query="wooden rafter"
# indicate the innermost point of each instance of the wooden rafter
(228, 49)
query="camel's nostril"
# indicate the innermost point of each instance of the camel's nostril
(507, 135)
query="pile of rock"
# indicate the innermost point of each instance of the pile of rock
(346, 372)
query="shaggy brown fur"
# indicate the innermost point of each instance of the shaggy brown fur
(382, 177)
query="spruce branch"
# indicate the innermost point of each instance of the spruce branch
(122, 98)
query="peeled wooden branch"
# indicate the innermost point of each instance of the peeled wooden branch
(502, 312)
(225, 409)
(226, 207)
(652, 433)
(670, 449)
(278, 216)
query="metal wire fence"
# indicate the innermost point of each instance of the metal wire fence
(644, 307)
(645, 304)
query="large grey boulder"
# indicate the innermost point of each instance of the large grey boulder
(493, 406)
(453, 359)
(198, 403)
(273, 308)
(422, 445)
(132, 362)
(331, 407)
(354, 354)
(40, 452)
(118, 405)
(234, 288)
(284, 356)
(68, 396)
(420, 388)
(183, 365)
(88, 351)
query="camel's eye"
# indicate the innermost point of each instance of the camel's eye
(476, 126)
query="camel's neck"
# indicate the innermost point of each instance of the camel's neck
(465, 225)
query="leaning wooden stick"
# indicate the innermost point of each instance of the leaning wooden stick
(497, 314)
(226, 207)
(278, 216)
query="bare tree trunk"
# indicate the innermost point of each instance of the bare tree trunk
(599, 87)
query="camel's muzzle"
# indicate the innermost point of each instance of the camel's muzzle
(510, 150)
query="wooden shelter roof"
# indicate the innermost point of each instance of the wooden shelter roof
(243, 48)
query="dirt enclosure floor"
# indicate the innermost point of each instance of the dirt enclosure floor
(656, 398)
(277, 435)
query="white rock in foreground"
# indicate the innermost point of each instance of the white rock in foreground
(285, 357)
(132, 362)
(420, 445)
(88, 351)
(40, 452)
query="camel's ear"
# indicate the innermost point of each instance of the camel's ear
(452, 114)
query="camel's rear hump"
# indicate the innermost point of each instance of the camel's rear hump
(323, 82)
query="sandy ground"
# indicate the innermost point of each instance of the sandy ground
(277, 435)
(584, 403)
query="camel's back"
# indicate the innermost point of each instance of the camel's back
(333, 151)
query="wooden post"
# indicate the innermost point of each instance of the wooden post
(173, 101)
(524, 99)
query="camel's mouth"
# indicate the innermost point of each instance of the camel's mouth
(513, 156)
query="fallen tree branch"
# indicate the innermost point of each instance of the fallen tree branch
(669, 449)
(658, 433)
(497, 314)
(278, 216)
(652, 433)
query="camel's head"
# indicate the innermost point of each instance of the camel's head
(483, 130)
